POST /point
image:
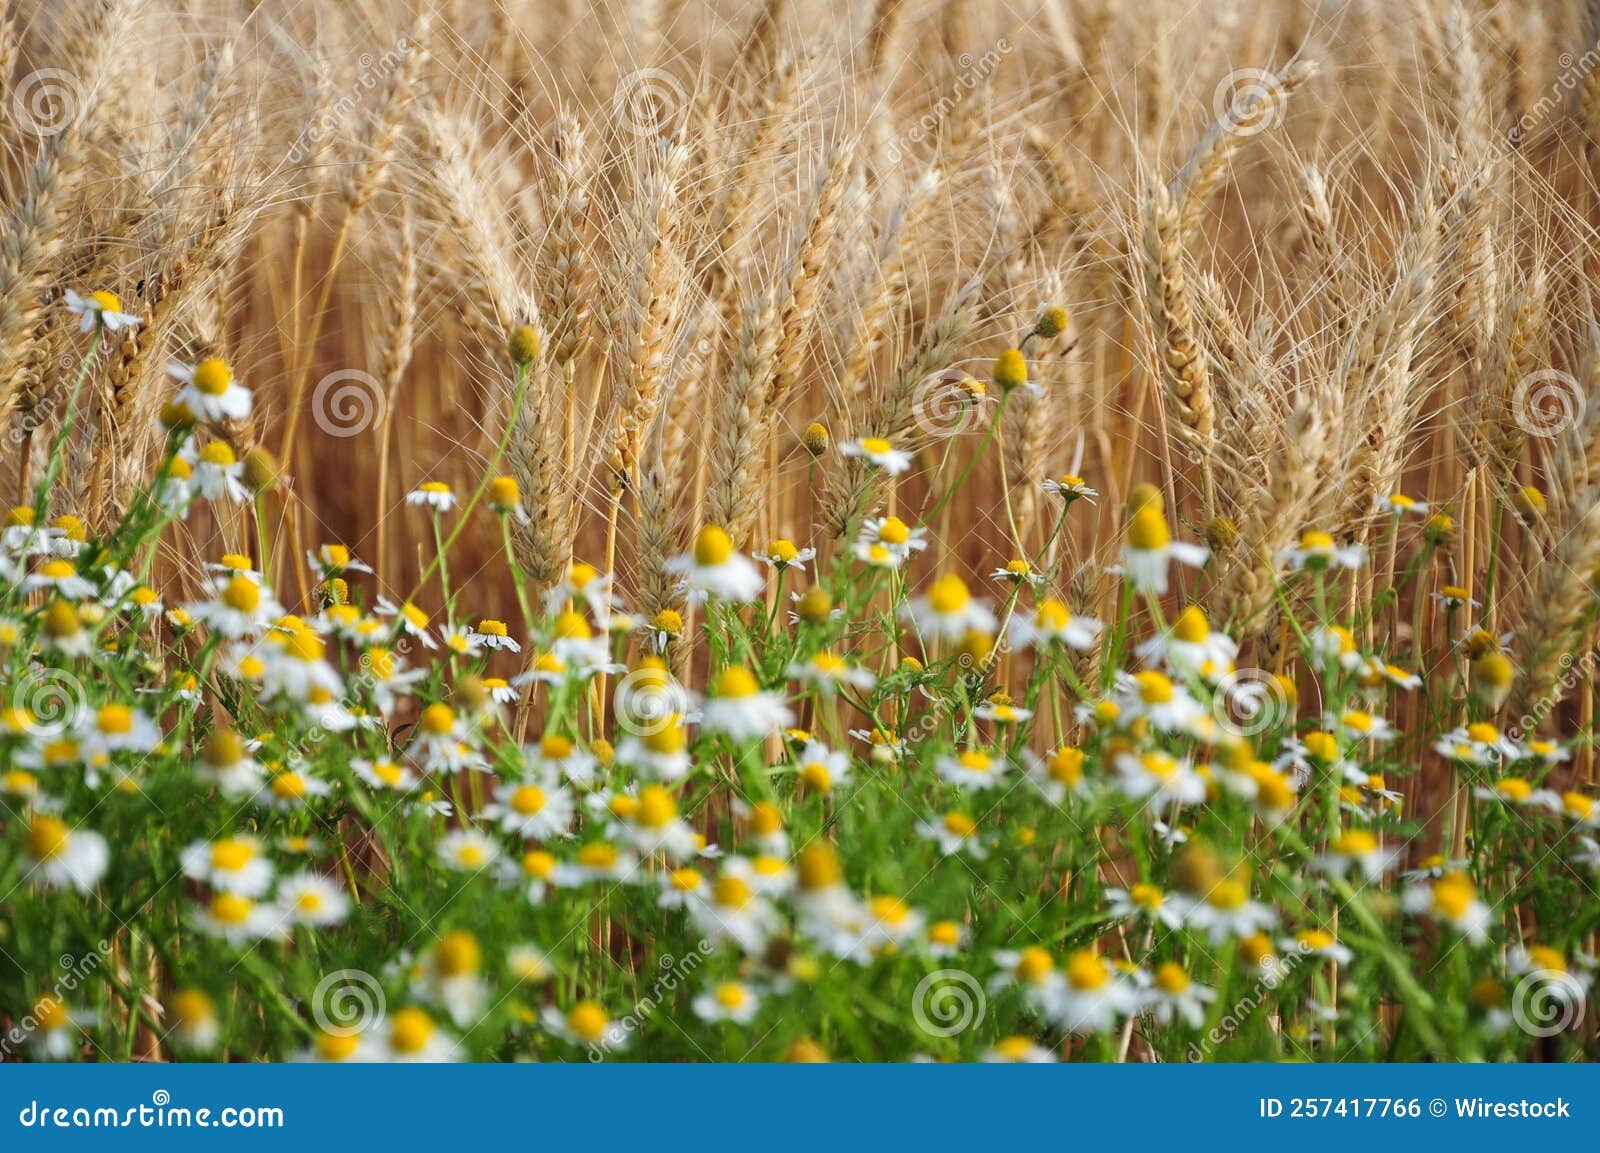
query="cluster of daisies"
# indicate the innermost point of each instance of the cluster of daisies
(837, 805)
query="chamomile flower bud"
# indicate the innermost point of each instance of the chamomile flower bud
(814, 606)
(1010, 370)
(1529, 503)
(1220, 533)
(1052, 322)
(1145, 495)
(1438, 528)
(260, 470)
(522, 345)
(175, 416)
(815, 438)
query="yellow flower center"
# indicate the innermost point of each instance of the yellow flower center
(891, 910)
(1191, 626)
(457, 954)
(336, 1046)
(875, 445)
(1052, 614)
(107, 300)
(1148, 531)
(411, 1031)
(1514, 789)
(736, 681)
(1085, 970)
(731, 892)
(657, 809)
(1034, 965)
(1066, 766)
(598, 855)
(231, 908)
(960, 824)
(232, 854)
(712, 547)
(948, 595)
(588, 1021)
(816, 774)
(1154, 688)
(212, 376)
(528, 800)
(975, 761)
(783, 551)
(47, 837)
(1171, 978)
(437, 720)
(893, 530)
(1355, 843)
(1453, 895)
(732, 995)
(492, 628)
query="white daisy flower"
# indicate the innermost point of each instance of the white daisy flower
(1150, 550)
(740, 709)
(234, 864)
(209, 390)
(1070, 488)
(971, 769)
(65, 858)
(468, 850)
(879, 452)
(727, 1001)
(309, 898)
(534, 811)
(1317, 552)
(433, 495)
(1451, 900)
(1052, 623)
(948, 610)
(714, 569)
(100, 308)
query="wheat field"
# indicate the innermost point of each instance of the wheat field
(799, 530)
